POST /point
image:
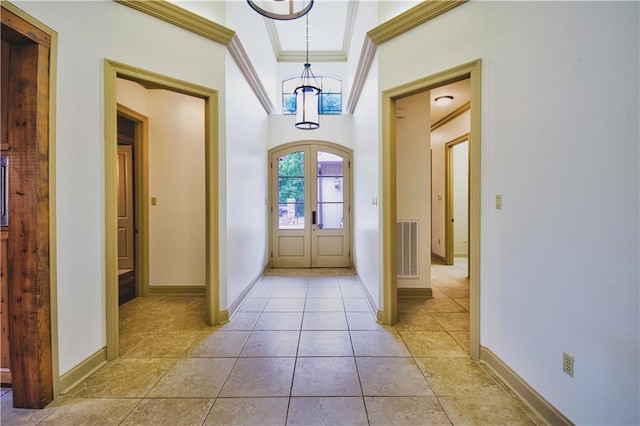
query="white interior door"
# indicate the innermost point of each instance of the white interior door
(310, 206)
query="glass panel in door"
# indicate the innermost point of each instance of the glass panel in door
(291, 191)
(330, 187)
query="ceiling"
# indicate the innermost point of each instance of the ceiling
(331, 25)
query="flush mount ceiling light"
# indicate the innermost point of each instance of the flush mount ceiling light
(443, 100)
(307, 96)
(282, 10)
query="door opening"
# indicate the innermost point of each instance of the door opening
(126, 210)
(310, 206)
(457, 202)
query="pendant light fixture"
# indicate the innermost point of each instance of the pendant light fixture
(282, 10)
(307, 96)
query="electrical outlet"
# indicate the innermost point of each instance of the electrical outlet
(567, 363)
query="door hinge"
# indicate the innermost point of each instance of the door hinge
(349, 162)
(271, 209)
(271, 254)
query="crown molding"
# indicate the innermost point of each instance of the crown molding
(362, 71)
(246, 67)
(411, 18)
(314, 56)
(175, 15)
(182, 18)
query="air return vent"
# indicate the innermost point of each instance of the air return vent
(407, 249)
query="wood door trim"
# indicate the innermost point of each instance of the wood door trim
(448, 198)
(33, 304)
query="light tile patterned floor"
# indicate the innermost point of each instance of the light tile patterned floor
(302, 349)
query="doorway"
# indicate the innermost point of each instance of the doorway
(113, 71)
(310, 206)
(126, 211)
(389, 289)
(457, 202)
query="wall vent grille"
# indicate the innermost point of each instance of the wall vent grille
(407, 249)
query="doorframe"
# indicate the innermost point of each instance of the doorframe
(141, 193)
(113, 70)
(388, 284)
(271, 194)
(448, 197)
(43, 380)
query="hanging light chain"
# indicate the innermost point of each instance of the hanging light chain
(307, 16)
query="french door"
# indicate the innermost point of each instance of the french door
(310, 206)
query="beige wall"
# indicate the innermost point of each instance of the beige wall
(414, 178)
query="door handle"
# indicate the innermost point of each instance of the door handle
(313, 218)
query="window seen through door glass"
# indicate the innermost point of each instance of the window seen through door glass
(291, 191)
(330, 181)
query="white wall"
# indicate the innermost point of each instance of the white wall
(367, 247)
(244, 247)
(556, 274)
(333, 128)
(413, 176)
(97, 31)
(177, 181)
(460, 184)
(439, 137)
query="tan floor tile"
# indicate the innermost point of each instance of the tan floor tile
(457, 377)
(271, 344)
(378, 343)
(259, 377)
(462, 338)
(169, 412)
(239, 322)
(482, 410)
(324, 292)
(218, 344)
(327, 411)
(325, 305)
(392, 377)
(465, 302)
(279, 321)
(325, 343)
(289, 292)
(356, 305)
(324, 321)
(421, 320)
(285, 305)
(329, 376)
(442, 305)
(22, 416)
(389, 411)
(363, 321)
(324, 282)
(124, 378)
(432, 344)
(352, 291)
(456, 292)
(453, 321)
(253, 304)
(90, 411)
(262, 291)
(248, 412)
(194, 378)
(171, 344)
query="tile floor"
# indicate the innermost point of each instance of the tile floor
(302, 349)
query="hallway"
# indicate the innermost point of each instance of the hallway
(302, 349)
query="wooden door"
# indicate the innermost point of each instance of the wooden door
(126, 231)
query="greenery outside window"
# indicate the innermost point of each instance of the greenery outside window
(330, 95)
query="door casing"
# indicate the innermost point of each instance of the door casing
(448, 196)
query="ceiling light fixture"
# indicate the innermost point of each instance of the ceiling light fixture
(282, 10)
(443, 100)
(307, 96)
